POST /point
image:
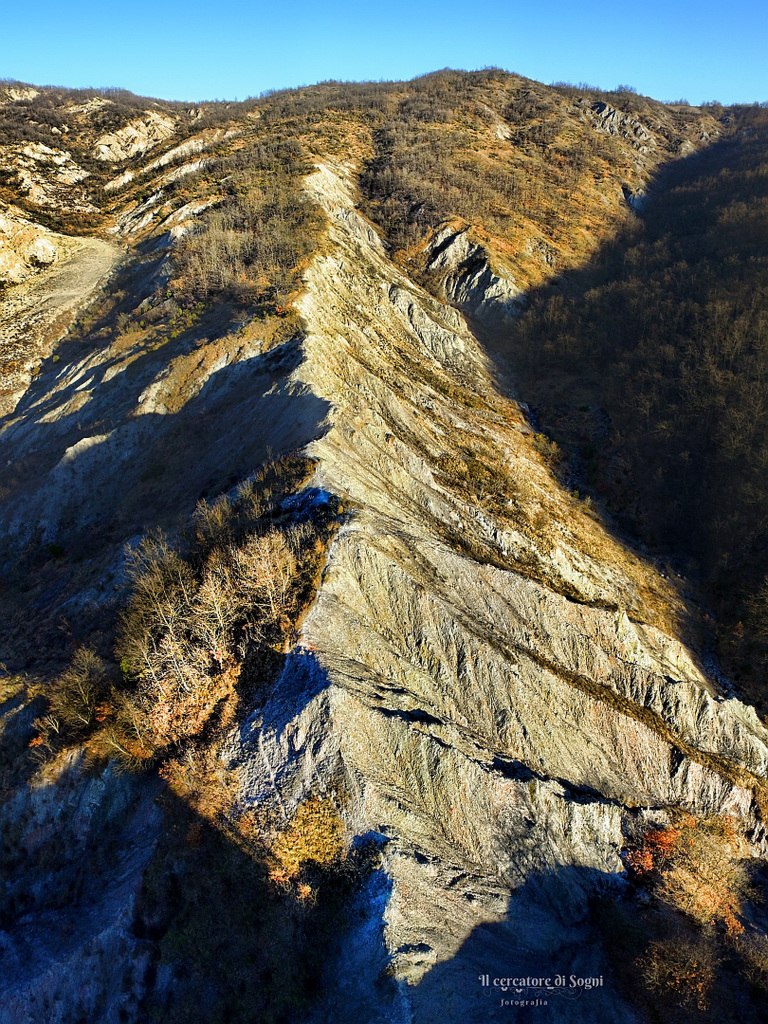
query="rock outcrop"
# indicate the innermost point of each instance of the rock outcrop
(25, 248)
(468, 280)
(615, 122)
(48, 178)
(500, 715)
(190, 147)
(136, 137)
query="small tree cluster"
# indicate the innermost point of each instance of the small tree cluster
(208, 615)
(76, 703)
(681, 968)
(224, 597)
(186, 632)
(697, 865)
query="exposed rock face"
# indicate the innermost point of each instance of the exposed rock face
(614, 122)
(229, 403)
(197, 144)
(25, 248)
(635, 200)
(36, 313)
(21, 94)
(76, 923)
(47, 177)
(468, 280)
(493, 684)
(91, 106)
(137, 137)
(156, 213)
(498, 718)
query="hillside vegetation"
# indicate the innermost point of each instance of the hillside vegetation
(665, 333)
(537, 172)
(294, 587)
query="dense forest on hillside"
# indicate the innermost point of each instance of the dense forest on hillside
(666, 332)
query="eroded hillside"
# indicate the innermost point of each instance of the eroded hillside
(406, 690)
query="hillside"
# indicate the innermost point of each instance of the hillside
(318, 652)
(666, 332)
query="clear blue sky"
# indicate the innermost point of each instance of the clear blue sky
(194, 50)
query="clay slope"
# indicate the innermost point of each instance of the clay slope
(492, 681)
(493, 689)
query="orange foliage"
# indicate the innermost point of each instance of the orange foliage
(663, 842)
(657, 846)
(640, 861)
(696, 865)
(102, 712)
(681, 968)
(170, 771)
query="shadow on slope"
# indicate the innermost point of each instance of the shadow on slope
(131, 905)
(135, 909)
(647, 369)
(575, 944)
(77, 487)
(522, 966)
(227, 943)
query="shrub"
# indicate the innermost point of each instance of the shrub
(76, 692)
(753, 950)
(315, 834)
(682, 968)
(73, 700)
(221, 600)
(697, 865)
(180, 635)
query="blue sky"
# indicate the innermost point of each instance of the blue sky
(194, 50)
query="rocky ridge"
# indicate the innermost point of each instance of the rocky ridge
(502, 731)
(492, 688)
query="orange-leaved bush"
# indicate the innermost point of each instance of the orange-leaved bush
(697, 865)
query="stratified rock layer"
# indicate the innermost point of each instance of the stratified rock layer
(495, 689)
(499, 701)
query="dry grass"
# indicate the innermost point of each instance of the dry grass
(315, 834)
